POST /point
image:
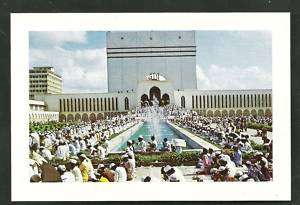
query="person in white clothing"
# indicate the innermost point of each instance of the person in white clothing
(61, 152)
(75, 170)
(141, 145)
(174, 174)
(46, 153)
(121, 175)
(66, 176)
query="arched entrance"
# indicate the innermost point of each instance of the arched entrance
(70, 118)
(62, 118)
(154, 91)
(92, 117)
(77, 117)
(144, 100)
(165, 100)
(85, 117)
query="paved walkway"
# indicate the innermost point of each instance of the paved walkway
(195, 138)
(154, 172)
(188, 172)
(258, 140)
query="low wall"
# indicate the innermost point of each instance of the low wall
(116, 143)
(194, 141)
(193, 144)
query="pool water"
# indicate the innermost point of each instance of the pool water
(146, 130)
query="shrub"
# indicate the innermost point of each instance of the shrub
(155, 158)
(259, 126)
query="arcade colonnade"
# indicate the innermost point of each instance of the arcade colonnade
(229, 103)
(97, 106)
(88, 107)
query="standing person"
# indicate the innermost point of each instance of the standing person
(101, 151)
(237, 156)
(61, 151)
(84, 168)
(128, 167)
(121, 175)
(206, 161)
(75, 170)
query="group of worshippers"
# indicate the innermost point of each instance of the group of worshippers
(229, 133)
(69, 144)
(225, 167)
(151, 146)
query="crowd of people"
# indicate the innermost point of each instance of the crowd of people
(230, 134)
(66, 154)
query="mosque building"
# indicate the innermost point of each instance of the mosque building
(142, 65)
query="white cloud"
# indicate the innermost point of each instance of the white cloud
(218, 77)
(56, 38)
(81, 70)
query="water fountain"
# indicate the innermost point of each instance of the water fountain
(154, 124)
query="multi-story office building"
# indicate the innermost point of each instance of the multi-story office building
(44, 80)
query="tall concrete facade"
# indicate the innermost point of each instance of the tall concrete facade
(131, 56)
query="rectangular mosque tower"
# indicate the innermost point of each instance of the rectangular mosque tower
(133, 55)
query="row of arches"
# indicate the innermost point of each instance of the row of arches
(91, 104)
(43, 116)
(164, 100)
(233, 113)
(86, 116)
(155, 92)
(231, 101)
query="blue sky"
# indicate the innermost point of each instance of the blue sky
(225, 59)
